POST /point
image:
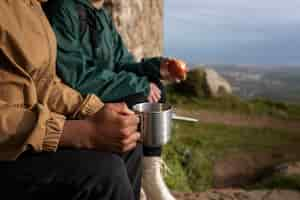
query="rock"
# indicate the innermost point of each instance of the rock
(204, 83)
(194, 85)
(140, 23)
(243, 169)
(216, 84)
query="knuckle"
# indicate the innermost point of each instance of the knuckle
(123, 106)
(108, 106)
(121, 123)
(124, 123)
(133, 145)
(123, 143)
(124, 132)
(138, 136)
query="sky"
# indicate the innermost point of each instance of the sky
(233, 31)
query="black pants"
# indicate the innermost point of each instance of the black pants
(75, 174)
(72, 175)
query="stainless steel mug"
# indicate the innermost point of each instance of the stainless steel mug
(156, 123)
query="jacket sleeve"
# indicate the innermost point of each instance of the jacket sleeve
(149, 67)
(24, 124)
(79, 71)
(27, 123)
(62, 99)
(29, 99)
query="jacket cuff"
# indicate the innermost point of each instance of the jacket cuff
(54, 129)
(89, 107)
(151, 67)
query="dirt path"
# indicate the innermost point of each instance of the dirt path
(240, 195)
(240, 120)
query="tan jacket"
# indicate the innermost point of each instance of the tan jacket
(34, 103)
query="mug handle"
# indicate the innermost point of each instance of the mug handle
(141, 126)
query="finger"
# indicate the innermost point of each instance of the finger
(157, 96)
(129, 121)
(133, 138)
(127, 132)
(156, 91)
(128, 147)
(155, 88)
(149, 99)
(153, 99)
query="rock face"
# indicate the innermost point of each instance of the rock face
(195, 84)
(204, 83)
(140, 23)
(216, 84)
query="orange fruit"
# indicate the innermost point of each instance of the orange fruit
(177, 68)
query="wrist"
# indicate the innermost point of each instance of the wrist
(78, 134)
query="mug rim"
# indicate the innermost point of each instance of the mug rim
(168, 107)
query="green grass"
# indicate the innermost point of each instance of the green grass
(194, 148)
(279, 182)
(234, 104)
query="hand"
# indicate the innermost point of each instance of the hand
(112, 129)
(116, 128)
(155, 93)
(173, 70)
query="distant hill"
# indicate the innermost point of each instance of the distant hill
(279, 83)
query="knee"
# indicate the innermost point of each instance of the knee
(102, 167)
(96, 173)
(116, 171)
(107, 173)
(109, 166)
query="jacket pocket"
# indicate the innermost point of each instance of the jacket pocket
(11, 89)
(12, 95)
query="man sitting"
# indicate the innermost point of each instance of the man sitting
(54, 142)
(92, 58)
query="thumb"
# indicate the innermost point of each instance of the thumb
(122, 108)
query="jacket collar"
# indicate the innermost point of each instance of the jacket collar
(87, 3)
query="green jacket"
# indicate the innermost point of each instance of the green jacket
(106, 69)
